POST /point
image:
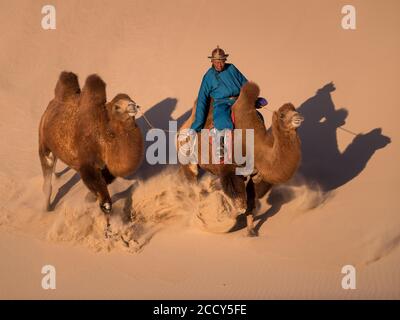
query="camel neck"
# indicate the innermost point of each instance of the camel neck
(286, 139)
(287, 150)
(122, 129)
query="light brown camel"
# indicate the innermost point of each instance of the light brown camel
(277, 151)
(100, 140)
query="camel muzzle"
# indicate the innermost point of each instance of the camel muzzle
(297, 119)
(132, 109)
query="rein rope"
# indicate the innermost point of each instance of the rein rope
(168, 131)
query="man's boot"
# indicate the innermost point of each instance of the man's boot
(222, 145)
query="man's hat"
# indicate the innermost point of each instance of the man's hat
(218, 54)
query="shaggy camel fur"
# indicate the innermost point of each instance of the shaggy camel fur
(100, 140)
(277, 152)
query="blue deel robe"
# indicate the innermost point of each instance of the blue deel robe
(219, 86)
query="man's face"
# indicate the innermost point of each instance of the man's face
(218, 65)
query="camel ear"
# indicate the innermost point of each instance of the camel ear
(94, 91)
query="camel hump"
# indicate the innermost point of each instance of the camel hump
(249, 92)
(94, 91)
(67, 86)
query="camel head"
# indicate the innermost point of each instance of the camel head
(122, 108)
(287, 118)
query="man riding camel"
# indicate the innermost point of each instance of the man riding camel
(222, 82)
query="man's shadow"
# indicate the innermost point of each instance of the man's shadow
(158, 115)
(322, 162)
(324, 166)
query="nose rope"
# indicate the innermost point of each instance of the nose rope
(165, 130)
(348, 131)
(150, 124)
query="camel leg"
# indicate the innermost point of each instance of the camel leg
(107, 175)
(251, 204)
(96, 183)
(48, 163)
(108, 178)
(235, 188)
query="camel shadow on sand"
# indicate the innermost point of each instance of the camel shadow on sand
(324, 167)
(159, 115)
(65, 188)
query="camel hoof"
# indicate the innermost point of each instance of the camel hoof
(251, 233)
(106, 207)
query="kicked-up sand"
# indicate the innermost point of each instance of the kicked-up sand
(168, 238)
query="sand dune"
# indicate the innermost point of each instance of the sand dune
(167, 236)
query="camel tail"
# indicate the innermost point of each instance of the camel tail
(94, 91)
(249, 93)
(67, 86)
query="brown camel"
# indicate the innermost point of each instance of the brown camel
(277, 152)
(99, 140)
